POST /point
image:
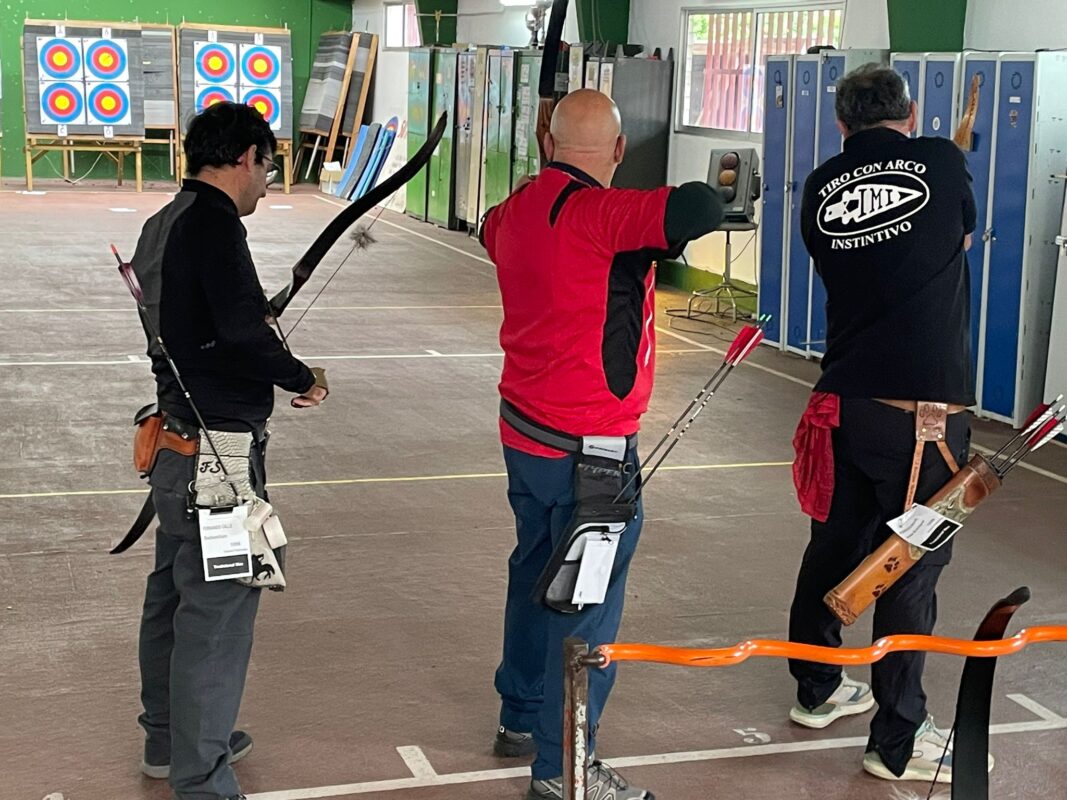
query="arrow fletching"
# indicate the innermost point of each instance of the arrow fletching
(1039, 412)
(129, 277)
(745, 341)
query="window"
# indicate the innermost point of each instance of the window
(725, 53)
(401, 26)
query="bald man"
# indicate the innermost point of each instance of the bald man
(575, 265)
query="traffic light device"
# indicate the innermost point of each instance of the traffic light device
(735, 175)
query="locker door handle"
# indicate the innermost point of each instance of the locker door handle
(989, 236)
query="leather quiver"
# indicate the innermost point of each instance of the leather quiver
(886, 565)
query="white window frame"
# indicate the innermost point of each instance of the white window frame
(385, 25)
(764, 7)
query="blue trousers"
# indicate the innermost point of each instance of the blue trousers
(530, 677)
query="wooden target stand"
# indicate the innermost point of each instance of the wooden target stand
(117, 149)
(285, 150)
(38, 145)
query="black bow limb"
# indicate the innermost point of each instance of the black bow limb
(304, 268)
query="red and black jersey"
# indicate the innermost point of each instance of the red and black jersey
(574, 262)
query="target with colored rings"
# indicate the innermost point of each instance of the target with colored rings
(62, 104)
(210, 95)
(105, 59)
(261, 66)
(59, 58)
(266, 103)
(109, 104)
(215, 63)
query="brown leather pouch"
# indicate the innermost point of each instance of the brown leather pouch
(155, 432)
(146, 443)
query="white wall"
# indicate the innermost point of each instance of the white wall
(390, 96)
(658, 23)
(1011, 25)
(480, 22)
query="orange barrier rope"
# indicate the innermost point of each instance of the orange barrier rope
(773, 648)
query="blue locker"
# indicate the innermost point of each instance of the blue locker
(828, 145)
(910, 67)
(940, 90)
(778, 103)
(1014, 115)
(979, 164)
(802, 151)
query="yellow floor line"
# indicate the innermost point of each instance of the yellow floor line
(402, 479)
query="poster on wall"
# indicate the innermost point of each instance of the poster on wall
(231, 63)
(83, 79)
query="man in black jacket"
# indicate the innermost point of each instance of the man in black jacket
(204, 297)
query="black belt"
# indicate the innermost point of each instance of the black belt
(542, 434)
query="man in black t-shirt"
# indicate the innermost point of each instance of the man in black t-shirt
(887, 223)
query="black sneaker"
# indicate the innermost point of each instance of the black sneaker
(240, 746)
(601, 783)
(513, 744)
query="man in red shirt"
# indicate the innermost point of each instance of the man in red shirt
(575, 266)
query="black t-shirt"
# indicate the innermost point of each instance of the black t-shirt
(885, 222)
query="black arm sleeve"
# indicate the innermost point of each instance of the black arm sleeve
(238, 309)
(693, 210)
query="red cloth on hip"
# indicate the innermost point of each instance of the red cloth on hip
(813, 468)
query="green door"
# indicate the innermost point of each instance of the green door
(525, 159)
(442, 199)
(499, 129)
(420, 65)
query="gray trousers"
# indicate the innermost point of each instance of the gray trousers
(196, 640)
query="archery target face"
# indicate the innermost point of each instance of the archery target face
(261, 65)
(215, 62)
(106, 60)
(207, 96)
(267, 102)
(62, 103)
(108, 104)
(60, 58)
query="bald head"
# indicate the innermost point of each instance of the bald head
(586, 133)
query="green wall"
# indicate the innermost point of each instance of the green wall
(925, 25)
(603, 20)
(307, 19)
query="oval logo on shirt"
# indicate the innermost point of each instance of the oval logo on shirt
(870, 202)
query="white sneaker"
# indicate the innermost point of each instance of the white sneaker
(931, 756)
(850, 697)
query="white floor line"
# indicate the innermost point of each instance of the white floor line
(292, 309)
(748, 364)
(1048, 721)
(1024, 465)
(1035, 707)
(417, 761)
(383, 221)
(140, 360)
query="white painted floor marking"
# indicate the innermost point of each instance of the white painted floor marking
(383, 221)
(417, 762)
(1048, 721)
(748, 364)
(292, 309)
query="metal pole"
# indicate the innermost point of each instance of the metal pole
(575, 717)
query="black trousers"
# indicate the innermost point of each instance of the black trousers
(873, 449)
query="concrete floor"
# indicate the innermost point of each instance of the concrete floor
(393, 496)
